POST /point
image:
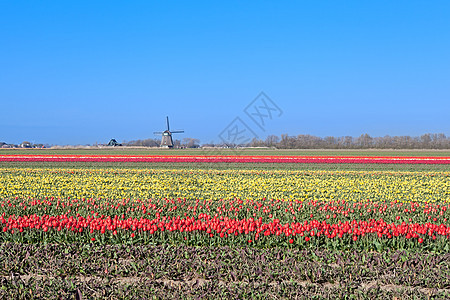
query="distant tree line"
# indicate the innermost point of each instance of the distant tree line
(143, 143)
(365, 141)
(301, 141)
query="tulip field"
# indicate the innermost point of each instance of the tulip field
(220, 226)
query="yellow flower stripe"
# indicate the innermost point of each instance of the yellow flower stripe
(225, 184)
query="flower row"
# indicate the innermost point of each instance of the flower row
(229, 159)
(266, 209)
(225, 227)
(210, 184)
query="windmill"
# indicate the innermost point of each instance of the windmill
(166, 139)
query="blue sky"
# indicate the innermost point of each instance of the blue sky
(81, 72)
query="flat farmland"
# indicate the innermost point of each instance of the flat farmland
(236, 229)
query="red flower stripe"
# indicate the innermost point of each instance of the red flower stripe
(229, 159)
(224, 227)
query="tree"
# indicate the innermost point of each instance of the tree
(272, 140)
(191, 143)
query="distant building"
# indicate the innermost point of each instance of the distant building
(166, 139)
(25, 145)
(113, 143)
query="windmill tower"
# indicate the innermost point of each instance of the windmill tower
(166, 136)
